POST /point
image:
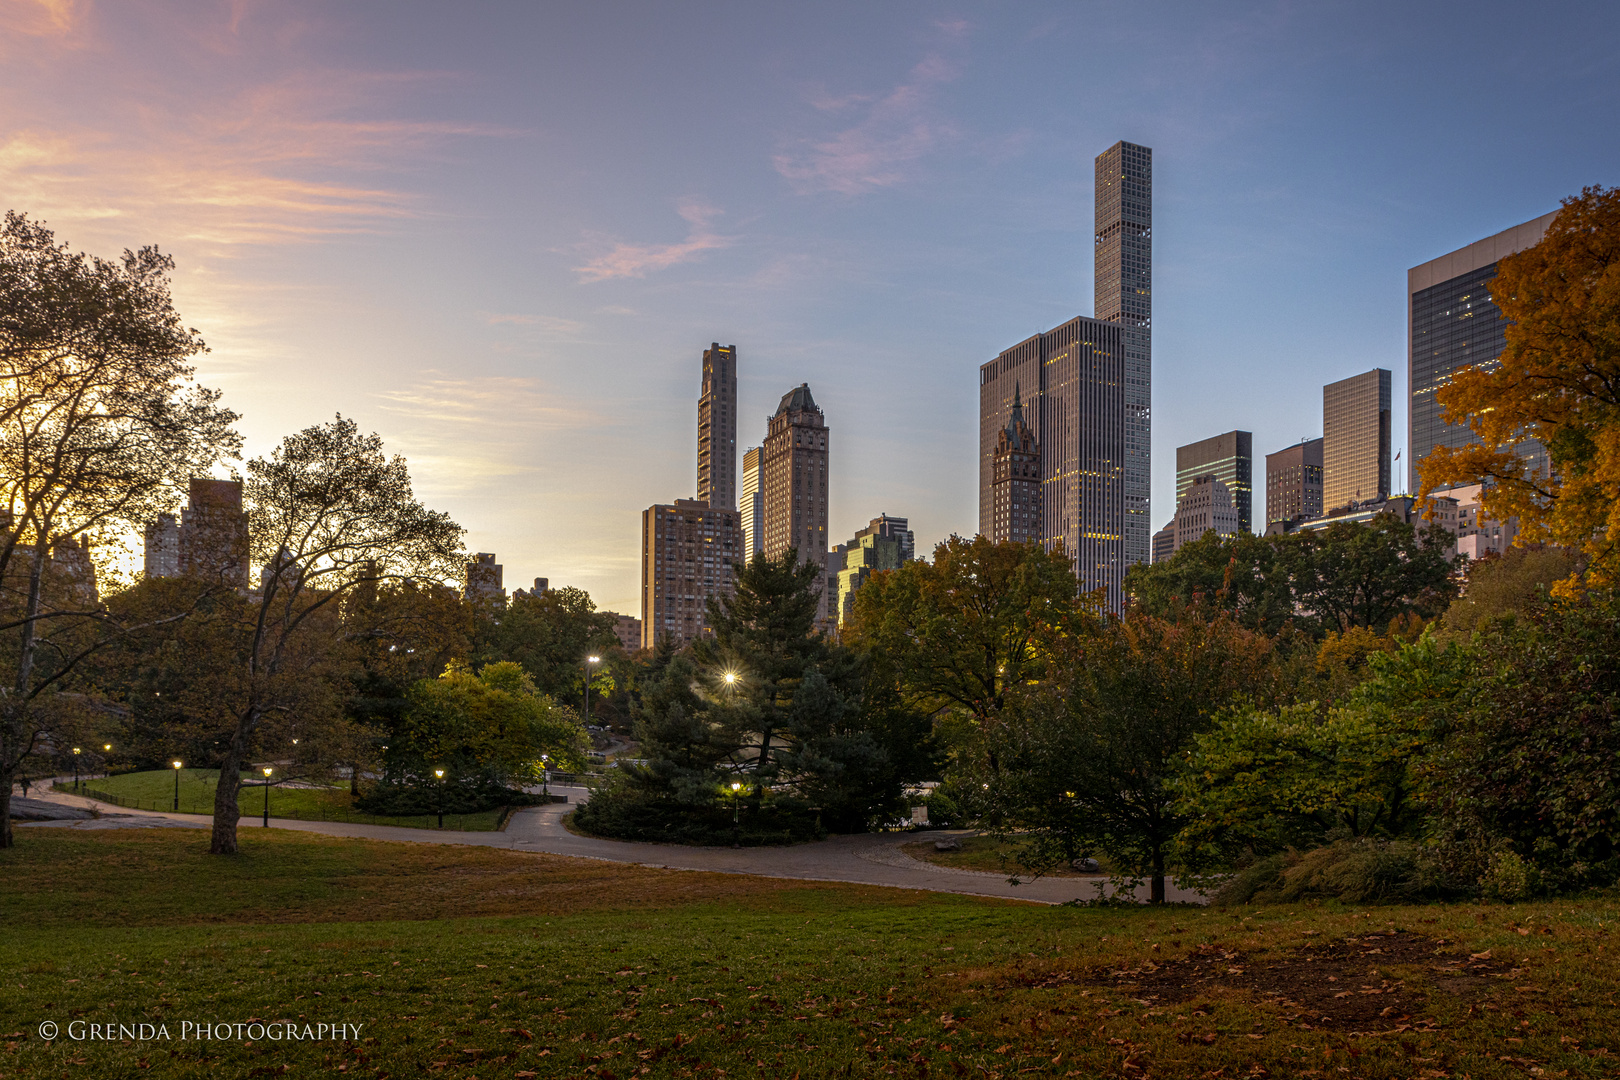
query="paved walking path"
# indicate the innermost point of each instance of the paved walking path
(870, 859)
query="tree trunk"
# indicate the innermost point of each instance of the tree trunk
(6, 838)
(18, 706)
(1157, 896)
(226, 812)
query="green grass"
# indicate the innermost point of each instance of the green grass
(155, 791)
(983, 853)
(466, 962)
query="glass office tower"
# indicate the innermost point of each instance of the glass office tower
(1229, 458)
(1356, 439)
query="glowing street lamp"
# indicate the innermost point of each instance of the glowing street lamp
(545, 777)
(75, 768)
(176, 763)
(267, 796)
(590, 662)
(440, 774)
(736, 811)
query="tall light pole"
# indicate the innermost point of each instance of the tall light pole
(106, 752)
(176, 764)
(267, 796)
(590, 662)
(545, 777)
(75, 768)
(736, 814)
(440, 774)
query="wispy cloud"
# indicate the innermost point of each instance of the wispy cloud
(638, 260)
(541, 322)
(882, 148)
(41, 18)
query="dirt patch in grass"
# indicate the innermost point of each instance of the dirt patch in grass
(1378, 982)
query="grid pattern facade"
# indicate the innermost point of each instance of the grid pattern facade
(1124, 294)
(793, 480)
(717, 428)
(1229, 458)
(887, 543)
(1294, 482)
(1355, 439)
(688, 549)
(1072, 383)
(751, 504)
(1206, 507)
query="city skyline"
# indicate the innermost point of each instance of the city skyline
(472, 237)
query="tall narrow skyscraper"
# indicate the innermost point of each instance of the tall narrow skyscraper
(751, 504)
(1087, 392)
(1355, 440)
(717, 429)
(1229, 458)
(1123, 284)
(793, 474)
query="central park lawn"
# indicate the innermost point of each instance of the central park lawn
(469, 962)
(155, 791)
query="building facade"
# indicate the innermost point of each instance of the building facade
(627, 628)
(688, 549)
(1229, 458)
(162, 548)
(1206, 507)
(793, 478)
(1453, 323)
(484, 579)
(717, 428)
(1015, 480)
(1071, 380)
(213, 538)
(1356, 440)
(1123, 293)
(1294, 482)
(751, 504)
(887, 543)
(1164, 542)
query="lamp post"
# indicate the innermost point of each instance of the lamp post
(440, 774)
(590, 662)
(267, 796)
(736, 814)
(545, 777)
(176, 764)
(106, 752)
(75, 768)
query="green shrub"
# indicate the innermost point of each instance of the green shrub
(1360, 871)
(623, 812)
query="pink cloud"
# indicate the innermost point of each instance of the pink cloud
(638, 260)
(880, 151)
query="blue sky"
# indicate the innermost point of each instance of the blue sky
(502, 233)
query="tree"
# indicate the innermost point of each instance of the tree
(1088, 761)
(100, 426)
(1556, 381)
(1368, 574)
(1235, 574)
(1516, 582)
(329, 514)
(549, 635)
(963, 629)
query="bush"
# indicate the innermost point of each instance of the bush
(1359, 871)
(622, 812)
(403, 799)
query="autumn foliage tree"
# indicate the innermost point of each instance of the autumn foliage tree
(1557, 381)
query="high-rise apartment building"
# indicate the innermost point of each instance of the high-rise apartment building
(1123, 286)
(1087, 389)
(1356, 439)
(1206, 507)
(1453, 323)
(687, 551)
(1229, 458)
(751, 504)
(793, 476)
(213, 541)
(1015, 481)
(1073, 381)
(717, 428)
(886, 543)
(484, 579)
(1294, 482)
(162, 554)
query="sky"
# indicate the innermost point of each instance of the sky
(501, 234)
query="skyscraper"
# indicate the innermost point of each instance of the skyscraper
(793, 476)
(1229, 458)
(1123, 284)
(751, 503)
(1072, 380)
(1294, 482)
(1015, 485)
(1087, 389)
(717, 428)
(886, 543)
(213, 536)
(1205, 507)
(1453, 323)
(687, 552)
(484, 579)
(1355, 439)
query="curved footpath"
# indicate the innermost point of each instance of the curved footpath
(872, 859)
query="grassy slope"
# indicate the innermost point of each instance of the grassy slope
(982, 853)
(464, 962)
(155, 791)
